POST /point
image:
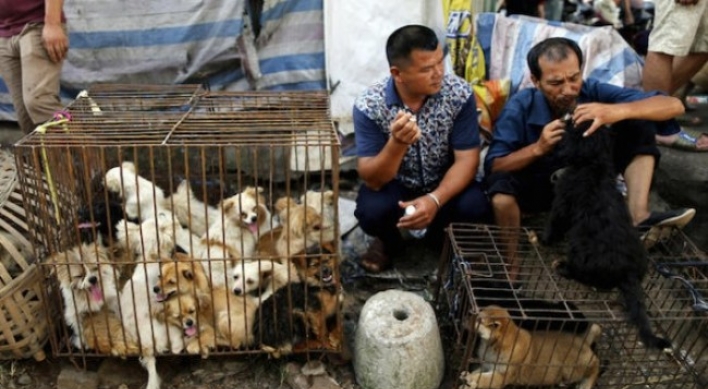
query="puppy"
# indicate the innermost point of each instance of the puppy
(195, 318)
(152, 238)
(192, 213)
(323, 203)
(181, 276)
(261, 278)
(301, 227)
(254, 213)
(87, 281)
(235, 315)
(604, 249)
(142, 199)
(514, 356)
(309, 305)
(231, 238)
(103, 331)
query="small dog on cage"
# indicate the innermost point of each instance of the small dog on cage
(87, 281)
(604, 248)
(230, 238)
(98, 216)
(513, 356)
(143, 199)
(181, 275)
(262, 278)
(301, 226)
(235, 315)
(323, 202)
(192, 213)
(314, 302)
(194, 316)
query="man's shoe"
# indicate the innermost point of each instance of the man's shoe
(659, 225)
(674, 218)
(375, 259)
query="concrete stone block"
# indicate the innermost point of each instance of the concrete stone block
(397, 343)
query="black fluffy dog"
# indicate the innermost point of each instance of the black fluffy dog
(604, 248)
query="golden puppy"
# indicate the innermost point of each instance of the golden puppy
(514, 356)
(195, 319)
(234, 317)
(180, 276)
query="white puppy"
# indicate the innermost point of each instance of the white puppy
(262, 278)
(190, 211)
(87, 280)
(142, 198)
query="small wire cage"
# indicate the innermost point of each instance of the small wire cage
(558, 312)
(180, 220)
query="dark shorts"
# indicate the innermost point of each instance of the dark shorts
(532, 186)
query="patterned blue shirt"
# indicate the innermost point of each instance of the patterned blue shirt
(447, 120)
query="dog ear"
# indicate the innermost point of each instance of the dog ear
(266, 274)
(187, 274)
(329, 197)
(228, 205)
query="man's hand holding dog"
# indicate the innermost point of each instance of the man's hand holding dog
(550, 136)
(600, 114)
(425, 211)
(404, 129)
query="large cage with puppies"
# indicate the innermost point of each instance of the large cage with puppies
(177, 220)
(529, 326)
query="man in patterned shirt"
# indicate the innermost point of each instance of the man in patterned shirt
(417, 144)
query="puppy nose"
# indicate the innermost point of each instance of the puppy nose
(254, 219)
(93, 280)
(189, 322)
(326, 272)
(237, 291)
(156, 289)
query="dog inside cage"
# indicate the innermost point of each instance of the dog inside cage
(541, 329)
(208, 241)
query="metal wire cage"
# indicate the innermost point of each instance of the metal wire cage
(110, 221)
(474, 275)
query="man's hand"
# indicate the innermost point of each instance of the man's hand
(404, 128)
(550, 136)
(600, 114)
(55, 42)
(425, 211)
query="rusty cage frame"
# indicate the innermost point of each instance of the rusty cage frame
(284, 142)
(472, 267)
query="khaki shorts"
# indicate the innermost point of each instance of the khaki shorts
(679, 29)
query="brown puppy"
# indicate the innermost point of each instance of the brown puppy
(196, 321)
(183, 275)
(514, 356)
(104, 333)
(234, 317)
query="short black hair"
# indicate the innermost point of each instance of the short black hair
(404, 40)
(555, 49)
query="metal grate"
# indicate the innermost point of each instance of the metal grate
(155, 138)
(475, 275)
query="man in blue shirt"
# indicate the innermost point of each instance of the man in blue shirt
(521, 157)
(417, 145)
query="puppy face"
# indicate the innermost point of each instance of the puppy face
(153, 237)
(86, 271)
(183, 312)
(182, 276)
(248, 207)
(316, 266)
(250, 277)
(492, 322)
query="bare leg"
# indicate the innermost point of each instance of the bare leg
(638, 177)
(657, 67)
(684, 68)
(508, 216)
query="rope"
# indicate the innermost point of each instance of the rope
(61, 118)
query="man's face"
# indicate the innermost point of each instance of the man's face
(560, 82)
(423, 74)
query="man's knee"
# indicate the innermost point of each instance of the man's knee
(41, 104)
(374, 208)
(502, 202)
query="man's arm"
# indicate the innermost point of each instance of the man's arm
(550, 136)
(55, 40)
(379, 161)
(654, 108)
(456, 179)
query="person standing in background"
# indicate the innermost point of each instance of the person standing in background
(523, 7)
(33, 46)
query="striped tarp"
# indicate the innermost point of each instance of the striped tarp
(191, 41)
(507, 40)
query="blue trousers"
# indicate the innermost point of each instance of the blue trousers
(378, 212)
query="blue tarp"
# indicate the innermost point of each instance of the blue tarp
(191, 41)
